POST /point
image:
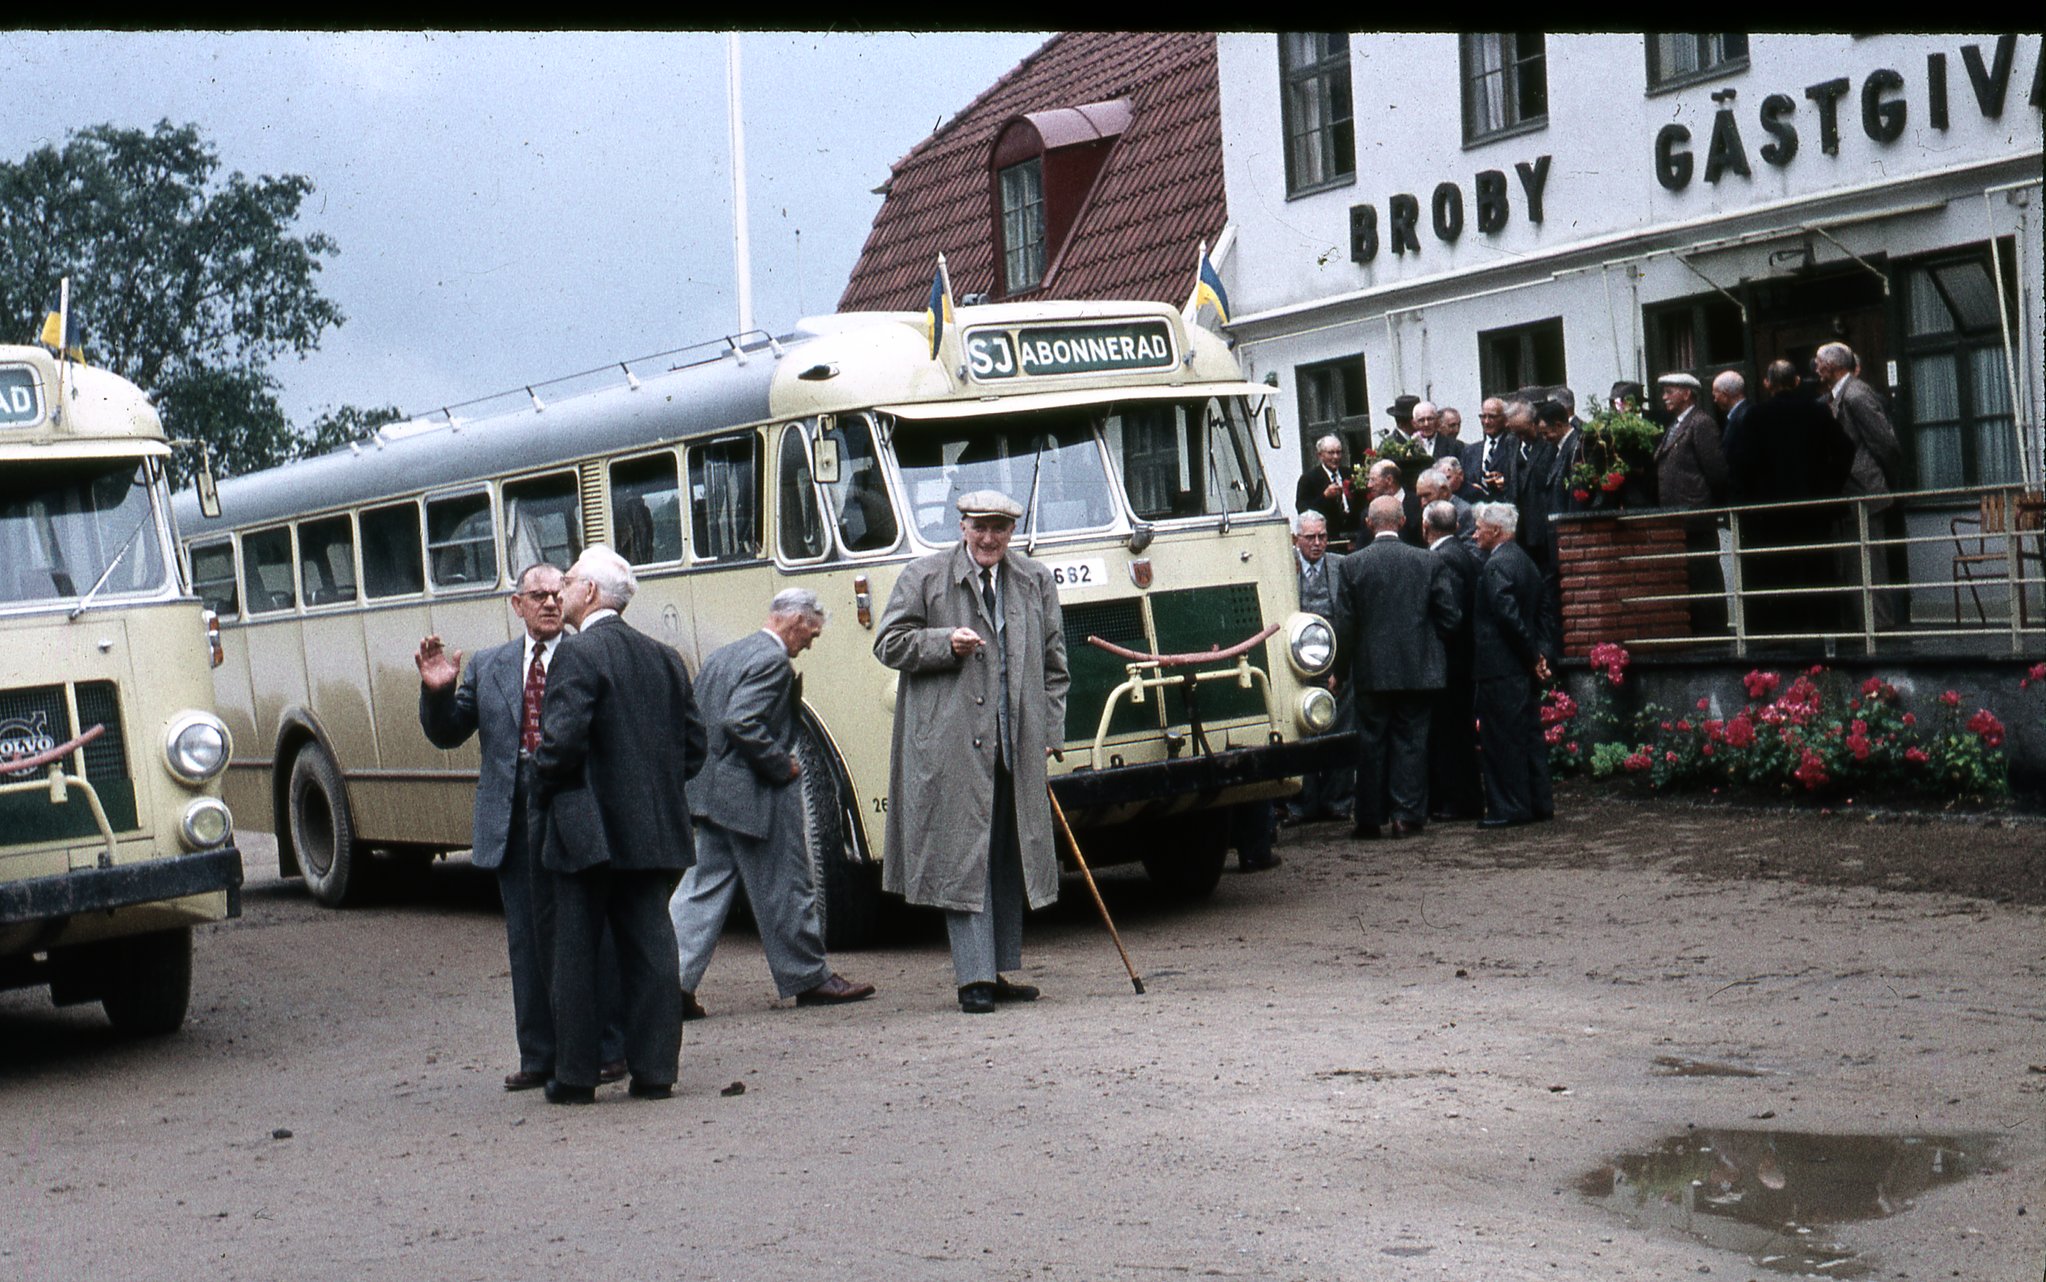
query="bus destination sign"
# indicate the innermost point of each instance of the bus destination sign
(1038, 351)
(21, 400)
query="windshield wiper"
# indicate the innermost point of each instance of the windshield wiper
(86, 601)
(1030, 512)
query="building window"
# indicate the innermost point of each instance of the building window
(1505, 84)
(1956, 383)
(1676, 60)
(1321, 140)
(1521, 356)
(1700, 336)
(1023, 225)
(1333, 402)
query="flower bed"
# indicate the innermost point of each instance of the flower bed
(1815, 735)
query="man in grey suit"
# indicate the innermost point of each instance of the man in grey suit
(1878, 468)
(499, 702)
(619, 738)
(749, 813)
(1394, 606)
(1324, 793)
(1452, 740)
(1510, 668)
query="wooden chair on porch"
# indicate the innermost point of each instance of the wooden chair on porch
(1979, 551)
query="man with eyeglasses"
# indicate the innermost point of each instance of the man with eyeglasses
(498, 700)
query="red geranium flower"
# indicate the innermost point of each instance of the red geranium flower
(1951, 698)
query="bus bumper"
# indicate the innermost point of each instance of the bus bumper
(1200, 779)
(86, 890)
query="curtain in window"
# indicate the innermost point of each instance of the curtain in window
(1487, 77)
(1995, 432)
(1936, 412)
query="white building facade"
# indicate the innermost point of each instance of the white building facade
(1456, 215)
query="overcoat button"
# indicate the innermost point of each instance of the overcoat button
(976, 743)
(980, 698)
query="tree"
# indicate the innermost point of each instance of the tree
(189, 286)
(337, 427)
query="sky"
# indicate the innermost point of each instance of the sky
(515, 207)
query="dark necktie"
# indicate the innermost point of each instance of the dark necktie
(987, 598)
(987, 592)
(536, 687)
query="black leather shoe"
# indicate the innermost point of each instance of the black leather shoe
(1490, 824)
(977, 999)
(691, 1008)
(1004, 991)
(525, 1081)
(1407, 828)
(562, 1093)
(650, 1090)
(611, 1072)
(1262, 865)
(1364, 832)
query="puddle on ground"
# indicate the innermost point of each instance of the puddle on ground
(1776, 1196)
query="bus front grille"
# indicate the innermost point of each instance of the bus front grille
(41, 715)
(1175, 622)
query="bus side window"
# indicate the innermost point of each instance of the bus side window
(326, 554)
(459, 541)
(859, 502)
(802, 534)
(390, 551)
(266, 570)
(213, 578)
(543, 521)
(646, 510)
(724, 499)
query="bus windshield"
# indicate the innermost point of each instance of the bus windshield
(944, 459)
(1186, 458)
(64, 525)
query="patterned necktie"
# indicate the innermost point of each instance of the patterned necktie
(536, 686)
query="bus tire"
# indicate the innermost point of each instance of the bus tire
(848, 892)
(1187, 855)
(148, 982)
(322, 829)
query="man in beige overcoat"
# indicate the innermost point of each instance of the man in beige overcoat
(978, 638)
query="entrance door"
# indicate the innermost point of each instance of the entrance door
(1792, 319)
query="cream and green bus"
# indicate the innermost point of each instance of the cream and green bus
(828, 457)
(114, 841)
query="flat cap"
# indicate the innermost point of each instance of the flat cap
(1678, 380)
(990, 503)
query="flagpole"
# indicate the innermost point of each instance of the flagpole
(741, 252)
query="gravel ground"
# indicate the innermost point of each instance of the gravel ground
(1560, 1052)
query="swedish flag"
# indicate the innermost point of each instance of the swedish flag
(60, 333)
(938, 313)
(1208, 289)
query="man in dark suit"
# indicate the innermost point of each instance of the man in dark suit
(1402, 411)
(1325, 487)
(1488, 462)
(1509, 670)
(1385, 481)
(1434, 485)
(1394, 606)
(1690, 472)
(1449, 434)
(1452, 741)
(620, 737)
(499, 702)
(749, 814)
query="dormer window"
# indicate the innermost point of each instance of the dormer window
(1043, 168)
(1023, 225)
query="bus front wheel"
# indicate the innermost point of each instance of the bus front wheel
(147, 985)
(848, 892)
(322, 830)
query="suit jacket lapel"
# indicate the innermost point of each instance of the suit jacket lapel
(507, 680)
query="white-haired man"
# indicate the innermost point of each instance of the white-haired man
(619, 739)
(1509, 670)
(748, 808)
(1878, 468)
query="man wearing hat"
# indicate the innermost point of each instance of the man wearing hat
(978, 637)
(1402, 411)
(1690, 472)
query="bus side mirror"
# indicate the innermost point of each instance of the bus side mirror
(1272, 425)
(826, 462)
(202, 480)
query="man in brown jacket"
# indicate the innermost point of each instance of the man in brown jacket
(1690, 472)
(977, 635)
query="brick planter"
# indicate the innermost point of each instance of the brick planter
(1599, 581)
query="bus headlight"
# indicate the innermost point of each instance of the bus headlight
(1310, 644)
(197, 747)
(1317, 710)
(206, 823)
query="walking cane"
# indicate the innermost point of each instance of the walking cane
(1059, 813)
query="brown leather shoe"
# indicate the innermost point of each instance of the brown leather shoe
(691, 1008)
(524, 1081)
(834, 991)
(611, 1072)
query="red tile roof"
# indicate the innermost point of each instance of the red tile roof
(1158, 195)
